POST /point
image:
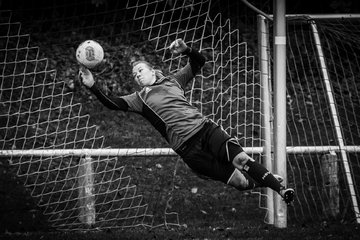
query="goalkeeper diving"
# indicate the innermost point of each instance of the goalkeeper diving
(202, 144)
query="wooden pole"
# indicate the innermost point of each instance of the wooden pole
(86, 192)
(331, 183)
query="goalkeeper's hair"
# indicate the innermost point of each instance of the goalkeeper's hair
(149, 65)
(159, 74)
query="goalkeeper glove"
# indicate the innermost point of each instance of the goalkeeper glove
(86, 77)
(178, 46)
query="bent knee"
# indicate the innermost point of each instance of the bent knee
(240, 160)
(235, 153)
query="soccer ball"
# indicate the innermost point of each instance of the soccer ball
(89, 53)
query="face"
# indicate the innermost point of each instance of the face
(143, 74)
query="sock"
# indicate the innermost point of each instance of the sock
(261, 175)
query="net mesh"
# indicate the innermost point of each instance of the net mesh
(322, 183)
(40, 108)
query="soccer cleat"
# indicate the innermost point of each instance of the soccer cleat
(288, 195)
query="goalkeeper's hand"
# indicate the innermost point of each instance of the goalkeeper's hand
(178, 46)
(86, 77)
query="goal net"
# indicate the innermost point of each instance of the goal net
(323, 107)
(44, 108)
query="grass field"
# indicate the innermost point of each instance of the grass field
(214, 212)
(240, 231)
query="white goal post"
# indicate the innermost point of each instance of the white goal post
(140, 152)
(350, 172)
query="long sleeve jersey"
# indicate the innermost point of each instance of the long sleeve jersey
(164, 103)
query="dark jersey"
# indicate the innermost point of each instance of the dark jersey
(164, 103)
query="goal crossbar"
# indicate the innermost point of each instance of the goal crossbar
(321, 16)
(141, 152)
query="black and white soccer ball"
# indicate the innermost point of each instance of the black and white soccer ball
(89, 53)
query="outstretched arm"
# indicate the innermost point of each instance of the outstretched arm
(114, 103)
(196, 61)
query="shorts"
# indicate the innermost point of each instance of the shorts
(209, 154)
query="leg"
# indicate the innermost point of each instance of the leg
(216, 154)
(242, 161)
(260, 174)
(201, 160)
(241, 181)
